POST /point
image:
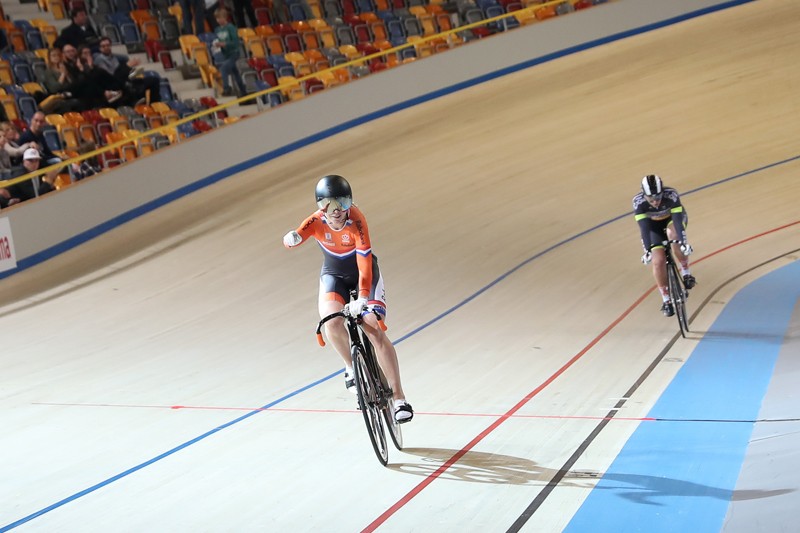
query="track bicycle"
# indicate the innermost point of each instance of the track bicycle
(678, 293)
(373, 391)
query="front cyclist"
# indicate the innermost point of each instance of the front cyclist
(659, 212)
(341, 231)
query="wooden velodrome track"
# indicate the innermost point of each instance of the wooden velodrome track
(501, 218)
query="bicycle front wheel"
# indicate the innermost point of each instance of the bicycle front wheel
(369, 402)
(678, 296)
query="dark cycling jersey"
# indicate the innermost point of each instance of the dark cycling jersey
(654, 220)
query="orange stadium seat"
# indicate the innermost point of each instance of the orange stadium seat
(290, 88)
(310, 39)
(255, 46)
(144, 144)
(117, 121)
(186, 43)
(9, 104)
(56, 7)
(301, 66)
(85, 129)
(316, 59)
(169, 114)
(125, 152)
(545, 12)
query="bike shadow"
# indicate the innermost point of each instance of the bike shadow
(475, 467)
(721, 336)
(492, 468)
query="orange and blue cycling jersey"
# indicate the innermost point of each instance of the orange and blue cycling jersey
(653, 221)
(348, 259)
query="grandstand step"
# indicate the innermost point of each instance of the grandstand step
(24, 11)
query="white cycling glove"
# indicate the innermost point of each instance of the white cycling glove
(292, 239)
(647, 257)
(686, 249)
(356, 307)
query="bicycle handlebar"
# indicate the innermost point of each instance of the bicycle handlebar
(344, 314)
(666, 242)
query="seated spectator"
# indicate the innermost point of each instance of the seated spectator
(80, 32)
(227, 42)
(92, 86)
(25, 190)
(126, 71)
(57, 81)
(103, 89)
(12, 146)
(6, 200)
(35, 134)
(5, 158)
(84, 170)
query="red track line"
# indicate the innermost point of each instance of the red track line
(343, 411)
(471, 444)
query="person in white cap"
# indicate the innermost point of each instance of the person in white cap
(25, 190)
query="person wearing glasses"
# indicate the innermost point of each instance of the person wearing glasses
(340, 229)
(659, 213)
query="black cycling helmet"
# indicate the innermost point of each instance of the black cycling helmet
(334, 191)
(652, 186)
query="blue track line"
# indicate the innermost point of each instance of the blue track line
(159, 457)
(238, 168)
(89, 234)
(404, 337)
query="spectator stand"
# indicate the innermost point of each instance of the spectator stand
(370, 42)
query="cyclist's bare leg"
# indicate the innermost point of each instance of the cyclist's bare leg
(386, 354)
(335, 329)
(659, 263)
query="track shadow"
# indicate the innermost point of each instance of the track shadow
(744, 335)
(481, 467)
(475, 467)
(648, 489)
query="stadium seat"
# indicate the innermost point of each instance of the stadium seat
(545, 12)
(85, 129)
(301, 66)
(101, 125)
(69, 134)
(124, 152)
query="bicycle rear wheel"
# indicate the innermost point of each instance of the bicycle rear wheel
(678, 295)
(388, 414)
(370, 404)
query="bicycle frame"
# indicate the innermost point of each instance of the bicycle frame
(677, 290)
(374, 394)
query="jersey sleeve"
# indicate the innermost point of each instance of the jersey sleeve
(677, 212)
(644, 223)
(363, 252)
(677, 222)
(309, 227)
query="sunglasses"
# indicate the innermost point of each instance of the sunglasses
(342, 203)
(654, 197)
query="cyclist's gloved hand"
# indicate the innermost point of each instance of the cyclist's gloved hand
(647, 257)
(686, 248)
(356, 307)
(292, 239)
